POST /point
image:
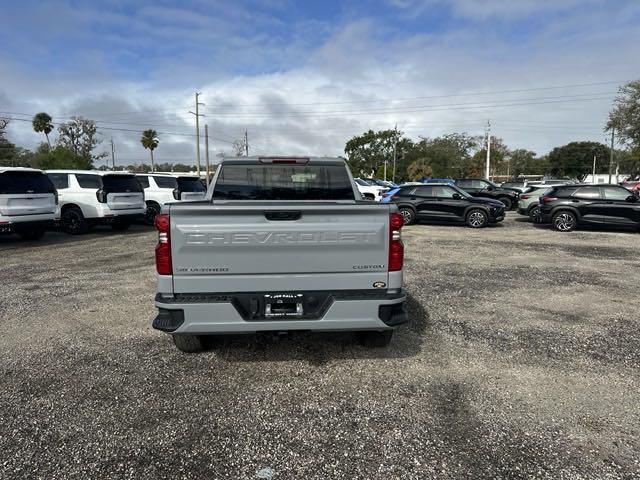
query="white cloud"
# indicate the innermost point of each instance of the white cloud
(350, 82)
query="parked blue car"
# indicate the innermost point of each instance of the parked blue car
(437, 180)
(386, 196)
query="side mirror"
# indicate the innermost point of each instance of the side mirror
(456, 196)
(632, 198)
(489, 188)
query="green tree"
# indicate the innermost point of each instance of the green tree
(7, 149)
(418, 169)
(575, 159)
(47, 158)
(448, 155)
(625, 115)
(42, 123)
(150, 140)
(368, 152)
(524, 162)
(79, 136)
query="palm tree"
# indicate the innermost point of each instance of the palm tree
(42, 123)
(150, 140)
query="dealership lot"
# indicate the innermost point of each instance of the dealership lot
(521, 359)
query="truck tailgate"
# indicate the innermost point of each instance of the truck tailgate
(297, 246)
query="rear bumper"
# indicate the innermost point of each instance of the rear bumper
(122, 217)
(211, 314)
(27, 222)
(132, 213)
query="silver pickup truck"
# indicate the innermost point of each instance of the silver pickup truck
(279, 244)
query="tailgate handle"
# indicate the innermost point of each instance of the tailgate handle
(283, 215)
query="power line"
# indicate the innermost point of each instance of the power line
(389, 100)
(423, 108)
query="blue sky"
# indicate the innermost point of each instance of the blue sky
(303, 77)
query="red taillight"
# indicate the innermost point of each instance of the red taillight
(101, 195)
(163, 249)
(394, 197)
(525, 197)
(545, 200)
(396, 248)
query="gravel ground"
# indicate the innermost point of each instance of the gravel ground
(521, 361)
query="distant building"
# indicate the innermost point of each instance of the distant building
(604, 178)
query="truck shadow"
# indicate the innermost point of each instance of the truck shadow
(319, 348)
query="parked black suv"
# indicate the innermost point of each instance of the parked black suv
(479, 187)
(569, 206)
(445, 202)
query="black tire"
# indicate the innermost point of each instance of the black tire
(31, 234)
(120, 226)
(535, 214)
(153, 209)
(508, 204)
(369, 196)
(188, 343)
(73, 222)
(408, 215)
(564, 221)
(375, 339)
(477, 218)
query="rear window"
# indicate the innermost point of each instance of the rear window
(25, 182)
(283, 182)
(121, 183)
(190, 184)
(166, 182)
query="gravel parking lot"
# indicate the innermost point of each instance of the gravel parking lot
(521, 361)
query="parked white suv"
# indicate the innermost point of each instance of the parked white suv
(368, 191)
(90, 197)
(28, 202)
(161, 188)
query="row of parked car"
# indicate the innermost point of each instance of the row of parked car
(32, 201)
(478, 202)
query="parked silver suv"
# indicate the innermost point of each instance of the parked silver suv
(28, 202)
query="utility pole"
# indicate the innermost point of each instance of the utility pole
(206, 149)
(486, 174)
(246, 143)
(395, 151)
(198, 115)
(613, 131)
(593, 174)
(113, 156)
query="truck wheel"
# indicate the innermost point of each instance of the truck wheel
(408, 216)
(31, 234)
(153, 209)
(375, 339)
(506, 202)
(564, 221)
(73, 221)
(477, 218)
(120, 226)
(188, 343)
(368, 196)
